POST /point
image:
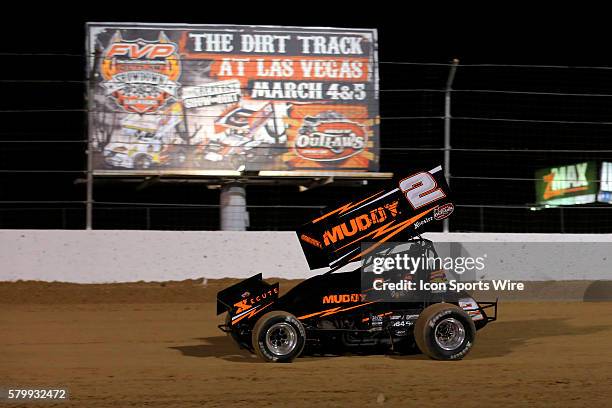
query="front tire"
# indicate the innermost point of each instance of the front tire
(142, 162)
(278, 337)
(444, 331)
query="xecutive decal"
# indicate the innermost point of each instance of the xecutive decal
(248, 302)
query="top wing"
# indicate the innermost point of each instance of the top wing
(396, 213)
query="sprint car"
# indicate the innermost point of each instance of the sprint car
(242, 134)
(337, 311)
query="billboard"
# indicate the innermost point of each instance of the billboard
(227, 97)
(567, 185)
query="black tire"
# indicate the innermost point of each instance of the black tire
(238, 160)
(180, 158)
(444, 331)
(278, 337)
(142, 162)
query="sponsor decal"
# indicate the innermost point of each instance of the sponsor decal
(350, 298)
(141, 76)
(360, 223)
(311, 241)
(248, 302)
(444, 211)
(377, 322)
(424, 221)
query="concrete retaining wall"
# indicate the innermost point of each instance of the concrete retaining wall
(124, 256)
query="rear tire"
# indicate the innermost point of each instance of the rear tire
(278, 337)
(444, 331)
(142, 162)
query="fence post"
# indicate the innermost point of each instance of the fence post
(447, 123)
(89, 199)
(88, 100)
(148, 215)
(63, 218)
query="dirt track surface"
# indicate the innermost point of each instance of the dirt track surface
(139, 345)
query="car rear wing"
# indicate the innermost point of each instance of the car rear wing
(247, 298)
(487, 313)
(397, 213)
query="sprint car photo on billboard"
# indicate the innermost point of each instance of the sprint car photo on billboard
(335, 312)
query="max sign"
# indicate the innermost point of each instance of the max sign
(568, 184)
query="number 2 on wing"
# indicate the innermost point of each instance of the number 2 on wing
(421, 189)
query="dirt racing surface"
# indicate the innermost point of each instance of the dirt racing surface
(157, 345)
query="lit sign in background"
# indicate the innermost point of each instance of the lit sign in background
(577, 183)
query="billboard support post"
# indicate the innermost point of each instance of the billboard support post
(447, 123)
(90, 166)
(89, 199)
(234, 216)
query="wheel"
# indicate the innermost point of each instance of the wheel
(278, 337)
(444, 331)
(142, 161)
(180, 158)
(238, 161)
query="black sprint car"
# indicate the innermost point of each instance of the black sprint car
(336, 312)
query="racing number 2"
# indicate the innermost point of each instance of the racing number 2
(421, 189)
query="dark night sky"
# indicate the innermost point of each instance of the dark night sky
(506, 34)
(480, 32)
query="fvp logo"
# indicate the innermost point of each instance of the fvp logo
(141, 75)
(137, 50)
